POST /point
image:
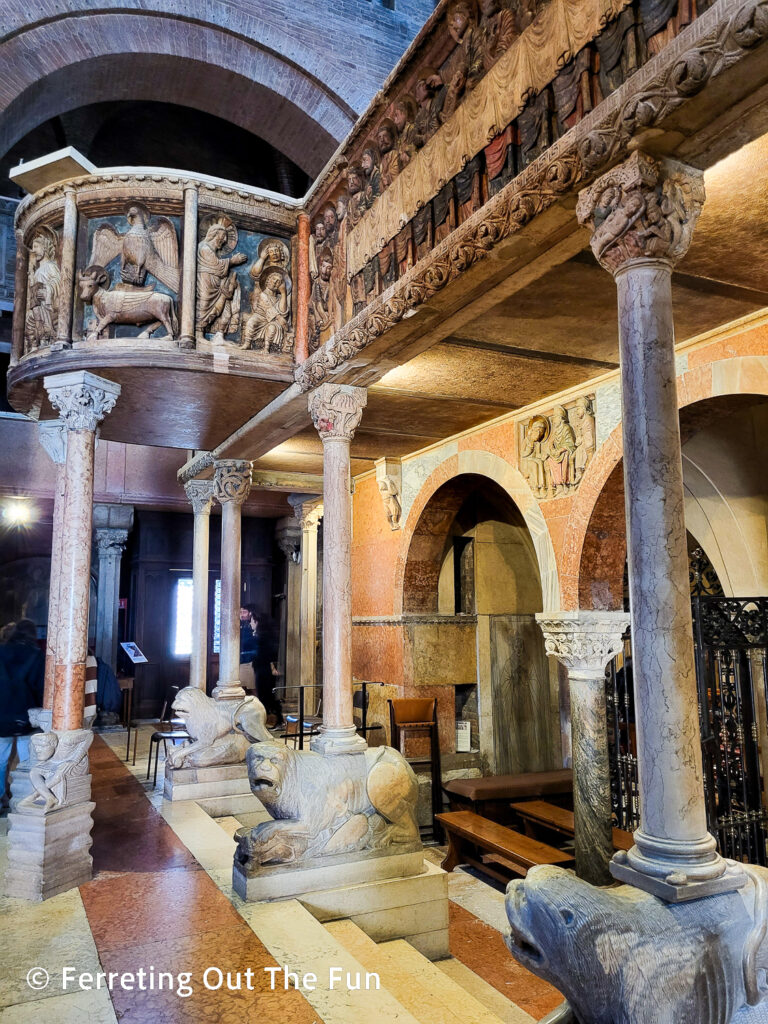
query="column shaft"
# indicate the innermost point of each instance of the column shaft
(189, 268)
(21, 280)
(53, 437)
(200, 494)
(301, 344)
(231, 485)
(67, 285)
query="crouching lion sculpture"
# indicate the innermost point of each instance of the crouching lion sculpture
(221, 730)
(622, 956)
(325, 806)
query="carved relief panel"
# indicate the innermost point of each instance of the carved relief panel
(43, 288)
(556, 447)
(244, 287)
(128, 278)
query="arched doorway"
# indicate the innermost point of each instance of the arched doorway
(471, 591)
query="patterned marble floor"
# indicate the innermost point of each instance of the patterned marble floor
(161, 898)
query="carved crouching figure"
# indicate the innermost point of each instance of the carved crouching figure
(125, 304)
(221, 730)
(325, 806)
(622, 956)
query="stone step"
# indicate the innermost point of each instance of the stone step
(486, 994)
(297, 940)
(430, 995)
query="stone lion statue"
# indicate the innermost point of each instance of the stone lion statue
(221, 730)
(324, 806)
(623, 956)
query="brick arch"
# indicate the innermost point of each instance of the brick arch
(474, 463)
(592, 564)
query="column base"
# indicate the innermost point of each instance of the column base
(185, 342)
(49, 853)
(329, 742)
(228, 691)
(676, 871)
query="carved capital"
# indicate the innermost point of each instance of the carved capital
(307, 509)
(81, 398)
(646, 208)
(288, 537)
(111, 542)
(200, 496)
(232, 481)
(52, 435)
(584, 641)
(336, 410)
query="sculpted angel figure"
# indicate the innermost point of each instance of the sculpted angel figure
(44, 287)
(218, 289)
(55, 758)
(149, 246)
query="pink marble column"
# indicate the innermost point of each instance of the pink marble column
(336, 410)
(232, 482)
(200, 494)
(643, 213)
(82, 400)
(52, 435)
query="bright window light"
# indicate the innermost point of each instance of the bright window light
(182, 633)
(217, 618)
(18, 513)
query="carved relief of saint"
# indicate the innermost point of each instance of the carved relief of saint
(560, 452)
(496, 32)
(218, 289)
(404, 115)
(316, 243)
(372, 172)
(339, 286)
(532, 455)
(389, 165)
(464, 67)
(583, 422)
(321, 305)
(427, 119)
(42, 290)
(268, 325)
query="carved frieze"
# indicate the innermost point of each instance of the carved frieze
(556, 447)
(43, 289)
(58, 771)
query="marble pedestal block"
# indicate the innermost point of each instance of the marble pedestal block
(49, 853)
(206, 783)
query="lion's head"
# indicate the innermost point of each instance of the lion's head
(191, 705)
(273, 774)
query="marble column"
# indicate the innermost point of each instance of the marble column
(336, 410)
(642, 214)
(288, 536)
(112, 524)
(52, 435)
(308, 511)
(189, 268)
(21, 280)
(232, 482)
(200, 494)
(584, 642)
(301, 349)
(67, 284)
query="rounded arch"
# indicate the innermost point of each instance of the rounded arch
(475, 463)
(592, 568)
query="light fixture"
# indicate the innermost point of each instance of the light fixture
(18, 513)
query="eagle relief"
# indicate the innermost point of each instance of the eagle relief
(144, 256)
(556, 447)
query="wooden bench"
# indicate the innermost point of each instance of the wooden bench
(490, 795)
(514, 851)
(559, 819)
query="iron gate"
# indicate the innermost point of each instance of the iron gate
(730, 643)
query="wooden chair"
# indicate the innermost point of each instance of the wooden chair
(408, 716)
(299, 726)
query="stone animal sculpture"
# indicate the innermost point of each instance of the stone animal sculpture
(125, 304)
(221, 730)
(148, 246)
(325, 806)
(623, 956)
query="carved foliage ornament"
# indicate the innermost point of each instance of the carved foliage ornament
(232, 481)
(585, 644)
(553, 175)
(646, 207)
(83, 405)
(200, 495)
(111, 541)
(336, 410)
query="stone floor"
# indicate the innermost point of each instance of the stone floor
(161, 898)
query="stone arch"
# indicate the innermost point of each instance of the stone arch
(592, 566)
(475, 463)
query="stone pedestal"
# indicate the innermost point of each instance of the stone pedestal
(200, 494)
(643, 214)
(232, 483)
(336, 410)
(206, 783)
(49, 853)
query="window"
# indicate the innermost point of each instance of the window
(217, 618)
(182, 619)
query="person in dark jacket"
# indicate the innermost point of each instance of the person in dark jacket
(22, 671)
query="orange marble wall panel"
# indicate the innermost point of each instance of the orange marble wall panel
(500, 439)
(750, 342)
(375, 549)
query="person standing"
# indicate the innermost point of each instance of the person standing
(22, 671)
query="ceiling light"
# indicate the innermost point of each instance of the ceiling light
(18, 513)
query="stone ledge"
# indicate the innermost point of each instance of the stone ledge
(206, 783)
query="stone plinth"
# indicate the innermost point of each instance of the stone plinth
(284, 882)
(206, 783)
(49, 853)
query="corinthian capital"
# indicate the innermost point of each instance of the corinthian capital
(81, 398)
(200, 496)
(336, 410)
(232, 481)
(584, 641)
(111, 542)
(646, 208)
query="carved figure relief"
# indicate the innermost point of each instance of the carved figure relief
(218, 286)
(57, 761)
(148, 248)
(555, 449)
(42, 290)
(267, 327)
(221, 730)
(325, 806)
(390, 495)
